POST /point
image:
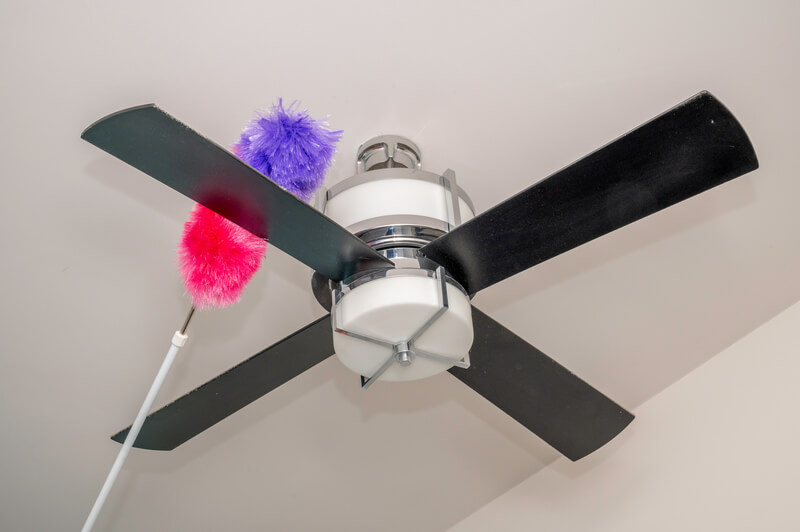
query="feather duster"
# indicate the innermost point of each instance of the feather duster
(291, 148)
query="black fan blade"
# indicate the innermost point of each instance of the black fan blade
(537, 391)
(152, 141)
(687, 150)
(217, 399)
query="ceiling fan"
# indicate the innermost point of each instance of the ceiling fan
(398, 279)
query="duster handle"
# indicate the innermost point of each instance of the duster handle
(178, 341)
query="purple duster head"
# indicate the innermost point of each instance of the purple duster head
(289, 147)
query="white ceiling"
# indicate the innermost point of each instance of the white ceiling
(503, 92)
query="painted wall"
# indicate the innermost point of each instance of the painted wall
(718, 450)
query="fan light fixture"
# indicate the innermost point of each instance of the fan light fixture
(414, 320)
(399, 294)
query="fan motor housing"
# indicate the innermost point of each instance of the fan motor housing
(415, 314)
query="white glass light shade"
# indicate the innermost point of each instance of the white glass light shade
(392, 309)
(391, 197)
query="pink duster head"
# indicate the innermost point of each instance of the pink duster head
(217, 258)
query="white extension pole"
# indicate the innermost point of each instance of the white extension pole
(178, 341)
